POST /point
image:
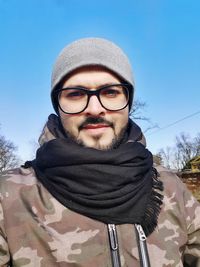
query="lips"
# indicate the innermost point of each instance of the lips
(95, 123)
(95, 129)
(95, 126)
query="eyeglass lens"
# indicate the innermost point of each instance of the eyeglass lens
(75, 100)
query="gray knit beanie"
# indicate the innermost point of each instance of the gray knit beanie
(91, 52)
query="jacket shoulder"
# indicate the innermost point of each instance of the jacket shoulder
(178, 199)
(172, 183)
(18, 177)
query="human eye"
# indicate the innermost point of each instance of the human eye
(110, 92)
(73, 94)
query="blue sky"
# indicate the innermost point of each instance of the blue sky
(161, 38)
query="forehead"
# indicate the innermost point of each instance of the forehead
(91, 76)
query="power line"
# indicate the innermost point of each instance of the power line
(174, 123)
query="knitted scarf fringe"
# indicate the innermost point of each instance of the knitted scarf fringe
(153, 207)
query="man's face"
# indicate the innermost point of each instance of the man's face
(95, 127)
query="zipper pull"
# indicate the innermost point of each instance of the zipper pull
(142, 246)
(113, 236)
(141, 233)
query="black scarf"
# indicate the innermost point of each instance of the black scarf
(114, 186)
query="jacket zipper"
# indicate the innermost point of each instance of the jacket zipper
(112, 232)
(142, 246)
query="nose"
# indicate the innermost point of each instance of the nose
(94, 107)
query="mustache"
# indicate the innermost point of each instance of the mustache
(93, 120)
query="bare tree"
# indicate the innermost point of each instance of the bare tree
(176, 160)
(197, 143)
(136, 113)
(166, 155)
(184, 147)
(8, 158)
(180, 155)
(157, 159)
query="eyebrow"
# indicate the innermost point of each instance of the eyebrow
(84, 87)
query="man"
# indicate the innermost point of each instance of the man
(92, 196)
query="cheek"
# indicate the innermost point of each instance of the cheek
(70, 123)
(121, 120)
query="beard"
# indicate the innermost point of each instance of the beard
(98, 140)
(115, 142)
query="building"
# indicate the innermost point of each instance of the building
(195, 164)
(191, 177)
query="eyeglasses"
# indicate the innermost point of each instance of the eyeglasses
(73, 100)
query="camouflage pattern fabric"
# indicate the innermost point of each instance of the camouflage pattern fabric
(37, 231)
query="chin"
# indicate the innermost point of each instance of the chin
(97, 144)
(100, 143)
(104, 141)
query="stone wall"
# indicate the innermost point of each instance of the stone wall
(192, 180)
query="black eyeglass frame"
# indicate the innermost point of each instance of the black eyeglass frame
(91, 93)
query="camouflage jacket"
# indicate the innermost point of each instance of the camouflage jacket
(36, 230)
